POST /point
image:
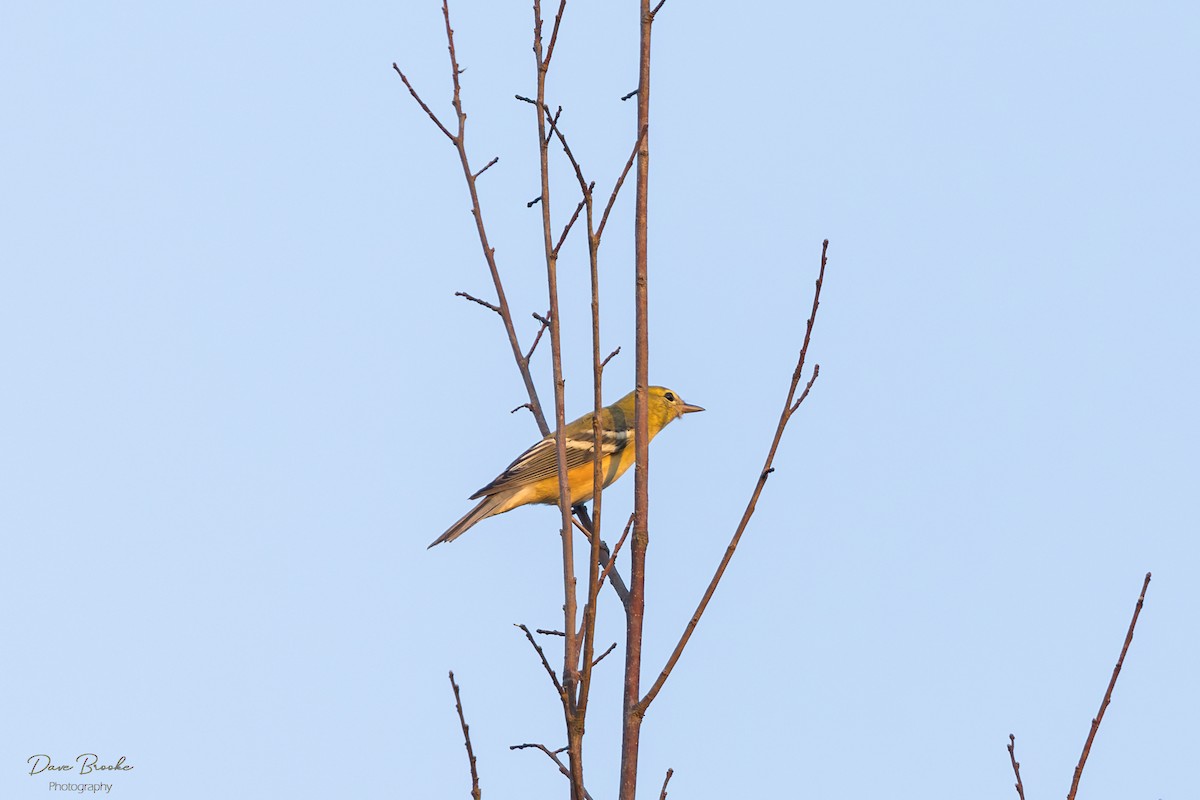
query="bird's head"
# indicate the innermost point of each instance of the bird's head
(668, 405)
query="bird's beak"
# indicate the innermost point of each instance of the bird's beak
(688, 409)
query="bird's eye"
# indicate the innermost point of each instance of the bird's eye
(670, 397)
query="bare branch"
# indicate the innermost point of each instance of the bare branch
(545, 324)
(1087, 747)
(489, 253)
(466, 729)
(485, 168)
(569, 225)
(612, 559)
(483, 303)
(558, 687)
(600, 658)
(612, 199)
(788, 409)
(663, 794)
(552, 755)
(606, 556)
(422, 104)
(1016, 765)
(625, 97)
(604, 363)
(518, 408)
(545, 632)
(554, 34)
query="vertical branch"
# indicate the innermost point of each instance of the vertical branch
(1087, 746)
(466, 729)
(570, 674)
(636, 607)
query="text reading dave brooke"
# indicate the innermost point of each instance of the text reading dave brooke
(87, 763)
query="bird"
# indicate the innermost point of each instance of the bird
(533, 476)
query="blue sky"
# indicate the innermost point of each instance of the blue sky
(241, 396)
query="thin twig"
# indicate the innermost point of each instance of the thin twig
(1016, 765)
(466, 729)
(663, 794)
(558, 687)
(612, 198)
(545, 324)
(609, 358)
(552, 755)
(1087, 746)
(607, 556)
(627, 96)
(483, 303)
(600, 658)
(569, 225)
(422, 104)
(485, 168)
(788, 409)
(612, 559)
(545, 632)
(554, 34)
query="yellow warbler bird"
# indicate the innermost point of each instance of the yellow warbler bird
(533, 477)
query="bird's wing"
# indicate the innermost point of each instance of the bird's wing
(539, 461)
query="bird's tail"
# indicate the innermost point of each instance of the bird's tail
(487, 506)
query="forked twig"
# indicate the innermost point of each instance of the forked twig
(466, 729)
(552, 755)
(558, 687)
(1087, 746)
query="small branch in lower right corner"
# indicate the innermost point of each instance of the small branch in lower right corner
(1016, 765)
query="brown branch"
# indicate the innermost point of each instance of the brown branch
(625, 97)
(554, 32)
(1087, 747)
(569, 225)
(788, 409)
(1016, 765)
(422, 104)
(656, 9)
(612, 198)
(545, 632)
(612, 559)
(518, 408)
(600, 658)
(571, 644)
(558, 687)
(663, 794)
(483, 303)
(606, 556)
(552, 755)
(635, 609)
(604, 363)
(489, 253)
(485, 168)
(466, 729)
(545, 324)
